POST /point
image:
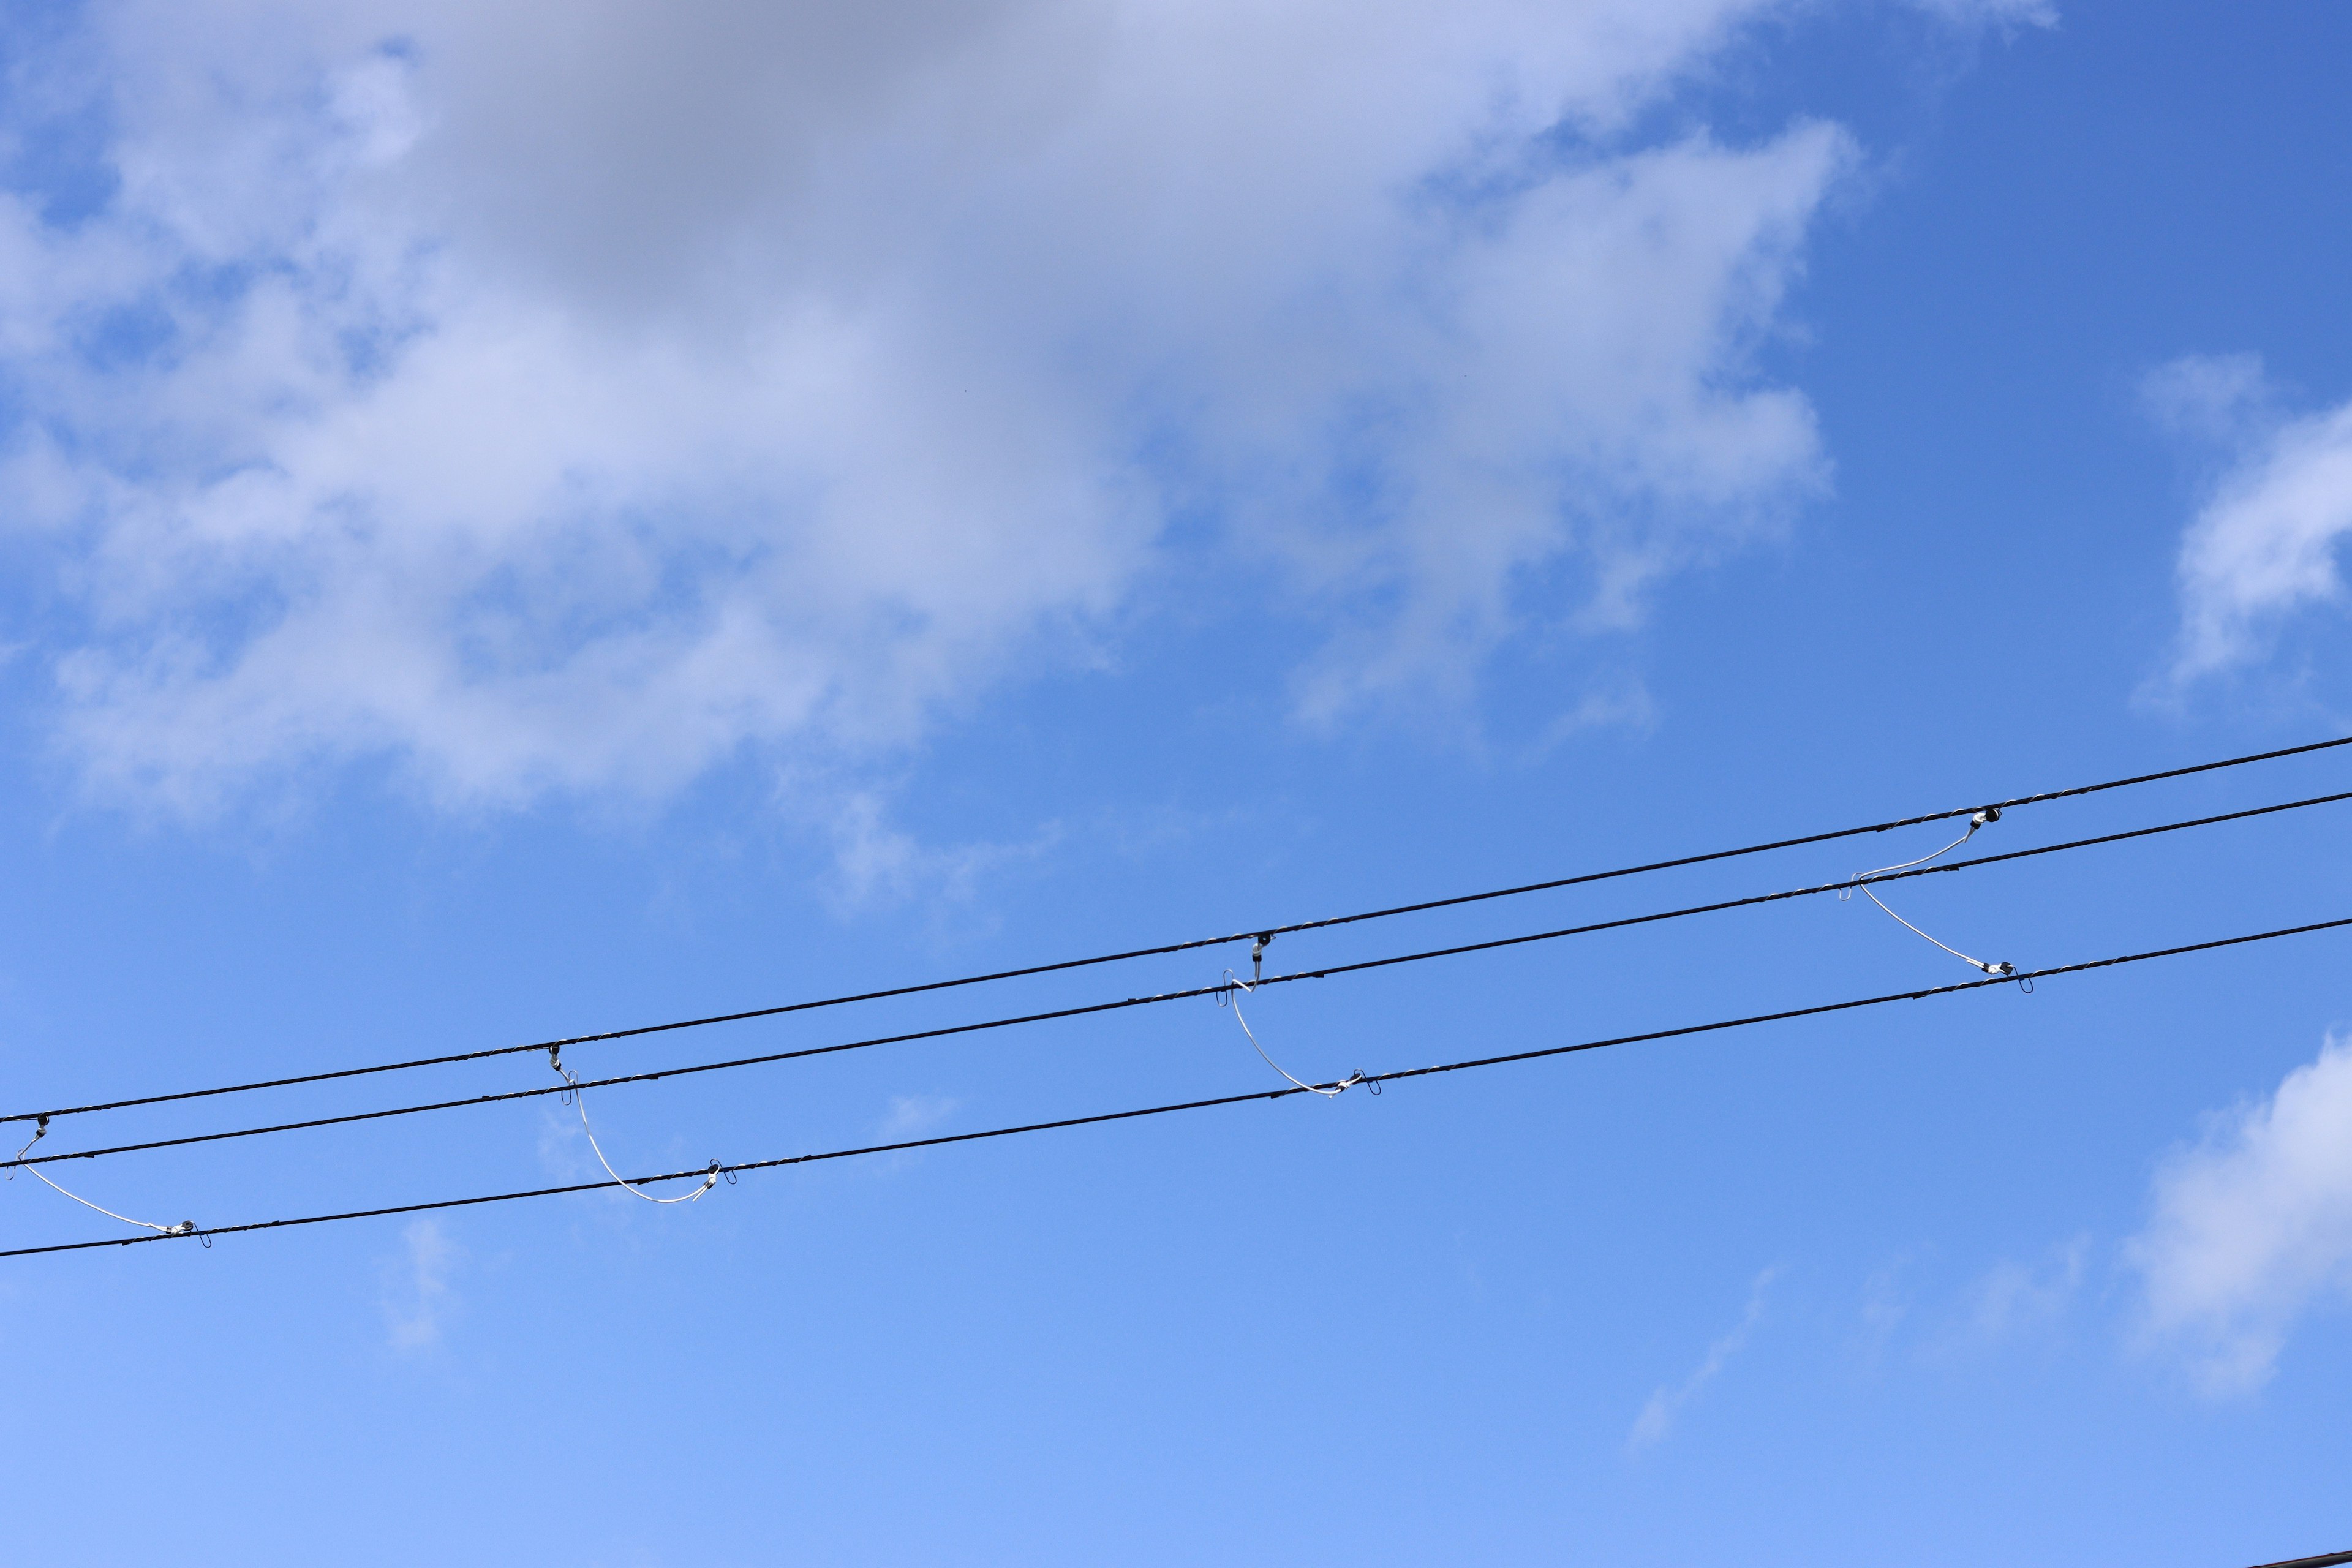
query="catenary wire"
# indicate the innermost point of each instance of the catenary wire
(1265, 1094)
(1259, 933)
(1222, 988)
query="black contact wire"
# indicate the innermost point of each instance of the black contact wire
(1265, 1094)
(1093, 1007)
(1255, 933)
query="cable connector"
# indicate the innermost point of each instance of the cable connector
(1989, 814)
(41, 1131)
(1257, 954)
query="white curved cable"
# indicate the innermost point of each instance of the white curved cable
(1978, 820)
(1862, 879)
(579, 1098)
(1227, 999)
(1956, 952)
(182, 1228)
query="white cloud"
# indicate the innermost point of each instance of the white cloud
(2013, 1297)
(913, 1115)
(568, 408)
(2002, 14)
(418, 1296)
(1885, 1303)
(2264, 545)
(2253, 1226)
(1659, 1412)
(876, 863)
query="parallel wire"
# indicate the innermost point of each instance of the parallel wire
(1259, 933)
(1368, 1079)
(1220, 989)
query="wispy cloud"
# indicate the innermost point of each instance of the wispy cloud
(419, 1295)
(2014, 1297)
(2264, 543)
(1885, 1303)
(1659, 1413)
(878, 863)
(2251, 1227)
(2000, 14)
(912, 1115)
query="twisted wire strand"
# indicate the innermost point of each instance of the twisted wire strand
(1271, 1094)
(1089, 1009)
(1260, 932)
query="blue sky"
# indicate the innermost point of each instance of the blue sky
(514, 533)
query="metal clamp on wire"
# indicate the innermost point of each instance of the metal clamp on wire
(41, 1131)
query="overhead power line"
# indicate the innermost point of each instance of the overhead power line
(1220, 989)
(1260, 934)
(1373, 1079)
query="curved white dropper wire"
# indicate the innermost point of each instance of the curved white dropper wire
(1862, 879)
(182, 1228)
(1234, 982)
(579, 1098)
(1956, 952)
(1974, 823)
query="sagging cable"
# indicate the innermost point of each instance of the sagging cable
(41, 1130)
(1226, 998)
(579, 1098)
(1862, 879)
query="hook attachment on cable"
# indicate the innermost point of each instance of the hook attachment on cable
(41, 1131)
